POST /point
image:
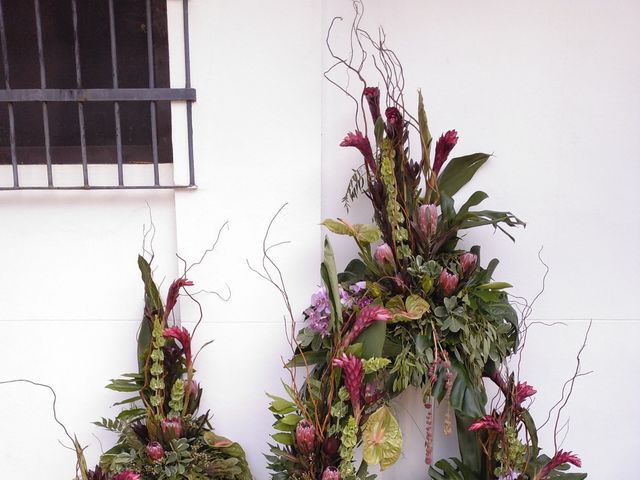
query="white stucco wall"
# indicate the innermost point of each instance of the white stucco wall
(549, 87)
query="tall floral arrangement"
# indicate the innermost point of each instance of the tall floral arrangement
(414, 308)
(161, 434)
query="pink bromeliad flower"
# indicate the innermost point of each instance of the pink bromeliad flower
(359, 141)
(353, 374)
(558, 459)
(182, 335)
(487, 422)
(443, 148)
(523, 391)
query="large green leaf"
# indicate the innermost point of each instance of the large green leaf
(459, 171)
(363, 233)
(354, 272)
(153, 305)
(425, 134)
(330, 279)
(382, 439)
(372, 340)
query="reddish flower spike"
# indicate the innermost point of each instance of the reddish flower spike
(359, 141)
(174, 293)
(182, 335)
(443, 148)
(486, 423)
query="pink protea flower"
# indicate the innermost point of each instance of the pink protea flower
(558, 459)
(368, 315)
(305, 436)
(383, 255)
(353, 375)
(428, 219)
(359, 141)
(394, 122)
(155, 451)
(372, 94)
(174, 292)
(487, 422)
(468, 261)
(127, 475)
(448, 282)
(523, 391)
(194, 387)
(443, 148)
(331, 473)
(183, 336)
(171, 427)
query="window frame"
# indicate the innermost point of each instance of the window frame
(82, 96)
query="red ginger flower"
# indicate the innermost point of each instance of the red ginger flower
(353, 375)
(448, 282)
(174, 292)
(305, 436)
(372, 94)
(183, 336)
(359, 141)
(558, 459)
(523, 391)
(155, 451)
(368, 315)
(487, 422)
(127, 475)
(443, 148)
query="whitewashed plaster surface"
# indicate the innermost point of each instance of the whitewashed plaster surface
(549, 87)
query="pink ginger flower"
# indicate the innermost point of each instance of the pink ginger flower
(368, 315)
(331, 473)
(155, 451)
(487, 422)
(171, 427)
(183, 336)
(174, 292)
(523, 391)
(384, 255)
(558, 459)
(359, 141)
(443, 148)
(468, 261)
(127, 475)
(372, 94)
(428, 219)
(305, 436)
(448, 282)
(353, 374)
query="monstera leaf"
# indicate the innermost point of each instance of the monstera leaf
(382, 439)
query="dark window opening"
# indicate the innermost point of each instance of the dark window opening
(100, 130)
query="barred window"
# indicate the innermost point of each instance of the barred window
(87, 82)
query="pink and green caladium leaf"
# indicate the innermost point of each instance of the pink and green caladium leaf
(382, 439)
(363, 233)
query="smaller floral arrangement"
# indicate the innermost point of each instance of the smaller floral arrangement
(161, 435)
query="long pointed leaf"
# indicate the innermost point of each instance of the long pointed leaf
(459, 171)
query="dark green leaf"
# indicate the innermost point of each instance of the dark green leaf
(459, 171)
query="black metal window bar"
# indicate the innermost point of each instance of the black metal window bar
(82, 96)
